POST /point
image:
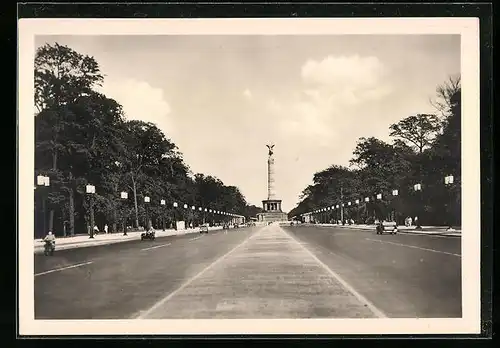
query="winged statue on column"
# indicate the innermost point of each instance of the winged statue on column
(270, 147)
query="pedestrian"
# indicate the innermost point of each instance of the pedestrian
(106, 228)
(410, 222)
(96, 229)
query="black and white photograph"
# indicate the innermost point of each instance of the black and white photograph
(249, 176)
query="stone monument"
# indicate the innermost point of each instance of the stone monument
(271, 206)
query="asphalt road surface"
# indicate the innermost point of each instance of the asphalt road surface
(256, 272)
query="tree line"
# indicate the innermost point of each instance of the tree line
(82, 137)
(425, 149)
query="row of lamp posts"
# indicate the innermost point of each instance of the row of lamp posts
(448, 180)
(44, 181)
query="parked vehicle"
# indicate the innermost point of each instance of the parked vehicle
(389, 227)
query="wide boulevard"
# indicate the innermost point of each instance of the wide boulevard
(274, 271)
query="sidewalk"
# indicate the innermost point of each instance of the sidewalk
(430, 230)
(82, 241)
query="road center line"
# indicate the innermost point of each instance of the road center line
(158, 304)
(346, 285)
(156, 246)
(414, 247)
(195, 238)
(63, 268)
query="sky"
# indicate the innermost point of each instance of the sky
(221, 99)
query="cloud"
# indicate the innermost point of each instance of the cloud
(334, 91)
(247, 94)
(347, 80)
(141, 101)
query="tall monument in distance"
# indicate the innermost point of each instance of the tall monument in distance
(271, 206)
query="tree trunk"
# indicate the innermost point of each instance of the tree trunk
(115, 219)
(135, 204)
(71, 206)
(71, 212)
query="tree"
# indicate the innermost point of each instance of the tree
(417, 131)
(448, 96)
(61, 76)
(146, 148)
(82, 137)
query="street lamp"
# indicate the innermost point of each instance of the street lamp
(90, 189)
(395, 218)
(175, 205)
(147, 200)
(124, 196)
(193, 208)
(448, 181)
(357, 210)
(418, 188)
(43, 181)
(163, 202)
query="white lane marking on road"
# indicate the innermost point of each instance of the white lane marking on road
(64, 268)
(414, 247)
(195, 238)
(156, 246)
(346, 285)
(158, 304)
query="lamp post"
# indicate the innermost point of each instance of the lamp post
(146, 201)
(357, 210)
(193, 208)
(367, 200)
(349, 212)
(395, 193)
(185, 216)
(448, 181)
(379, 198)
(124, 197)
(205, 215)
(162, 203)
(175, 205)
(418, 188)
(41, 181)
(90, 189)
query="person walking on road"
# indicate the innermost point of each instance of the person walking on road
(106, 228)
